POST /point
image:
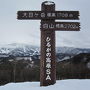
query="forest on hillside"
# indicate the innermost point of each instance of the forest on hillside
(12, 70)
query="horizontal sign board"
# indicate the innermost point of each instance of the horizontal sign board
(67, 15)
(61, 26)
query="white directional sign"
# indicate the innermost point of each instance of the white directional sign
(61, 26)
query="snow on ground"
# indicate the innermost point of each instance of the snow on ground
(70, 84)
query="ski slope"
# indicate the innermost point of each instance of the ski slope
(70, 84)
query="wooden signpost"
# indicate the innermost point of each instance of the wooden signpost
(61, 26)
(69, 15)
(48, 15)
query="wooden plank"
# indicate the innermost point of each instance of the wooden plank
(61, 26)
(37, 15)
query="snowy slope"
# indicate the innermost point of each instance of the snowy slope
(60, 85)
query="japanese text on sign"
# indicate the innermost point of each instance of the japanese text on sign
(48, 58)
(61, 26)
(48, 15)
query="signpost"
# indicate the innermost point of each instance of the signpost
(68, 15)
(48, 15)
(61, 26)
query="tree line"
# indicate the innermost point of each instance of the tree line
(12, 70)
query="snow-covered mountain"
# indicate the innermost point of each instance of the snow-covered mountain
(29, 50)
(65, 53)
(72, 50)
(19, 50)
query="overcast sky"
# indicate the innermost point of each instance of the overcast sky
(28, 31)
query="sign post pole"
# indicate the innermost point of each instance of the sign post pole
(48, 59)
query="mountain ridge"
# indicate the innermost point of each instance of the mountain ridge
(20, 50)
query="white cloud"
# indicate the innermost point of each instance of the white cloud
(13, 30)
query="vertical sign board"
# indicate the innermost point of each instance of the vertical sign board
(48, 60)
